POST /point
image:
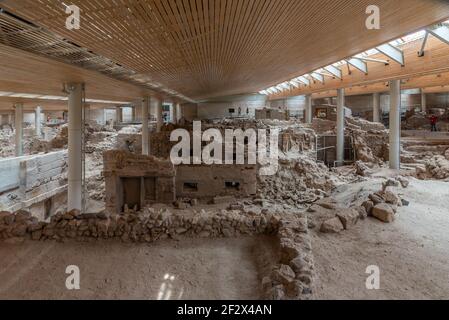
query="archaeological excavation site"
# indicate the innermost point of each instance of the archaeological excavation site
(224, 150)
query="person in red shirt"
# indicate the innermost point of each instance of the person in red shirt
(433, 123)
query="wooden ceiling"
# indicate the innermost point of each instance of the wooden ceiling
(23, 72)
(209, 48)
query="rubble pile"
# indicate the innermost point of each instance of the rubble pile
(297, 181)
(297, 139)
(97, 143)
(416, 121)
(322, 126)
(60, 141)
(35, 145)
(7, 146)
(436, 167)
(382, 205)
(370, 140)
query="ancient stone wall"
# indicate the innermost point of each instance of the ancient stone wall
(271, 113)
(206, 181)
(135, 180)
(291, 278)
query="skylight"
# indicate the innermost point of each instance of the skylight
(396, 43)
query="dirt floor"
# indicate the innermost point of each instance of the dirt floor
(183, 269)
(412, 252)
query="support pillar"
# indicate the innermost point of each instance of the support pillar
(395, 124)
(19, 128)
(159, 115)
(75, 147)
(87, 112)
(145, 132)
(376, 107)
(10, 118)
(423, 101)
(1, 119)
(118, 115)
(308, 109)
(340, 151)
(179, 111)
(104, 116)
(133, 113)
(174, 113)
(37, 122)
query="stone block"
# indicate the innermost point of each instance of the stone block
(333, 225)
(383, 212)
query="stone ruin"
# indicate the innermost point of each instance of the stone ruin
(290, 279)
(135, 180)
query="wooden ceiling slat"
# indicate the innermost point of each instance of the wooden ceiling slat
(208, 48)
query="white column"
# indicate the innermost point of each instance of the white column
(1, 119)
(19, 129)
(340, 152)
(75, 147)
(118, 115)
(10, 118)
(423, 101)
(145, 135)
(104, 116)
(37, 121)
(395, 124)
(179, 111)
(174, 113)
(376, 107)
(159, 115)
(86, 112)
(308, 109)
(133, 114)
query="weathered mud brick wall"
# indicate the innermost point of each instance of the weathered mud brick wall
(136, 180)
(159, 145)
(205, 181)
(270, 113)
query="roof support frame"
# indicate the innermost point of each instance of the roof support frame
(295, 83)
(324, 73)
(374, 60)
(303, 80)
(317, 76)
(423, 46)
(334, 71)
(358, 64)
(392, 52)
(441, 33)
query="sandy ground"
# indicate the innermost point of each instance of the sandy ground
(183, 269)
(412, 253)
